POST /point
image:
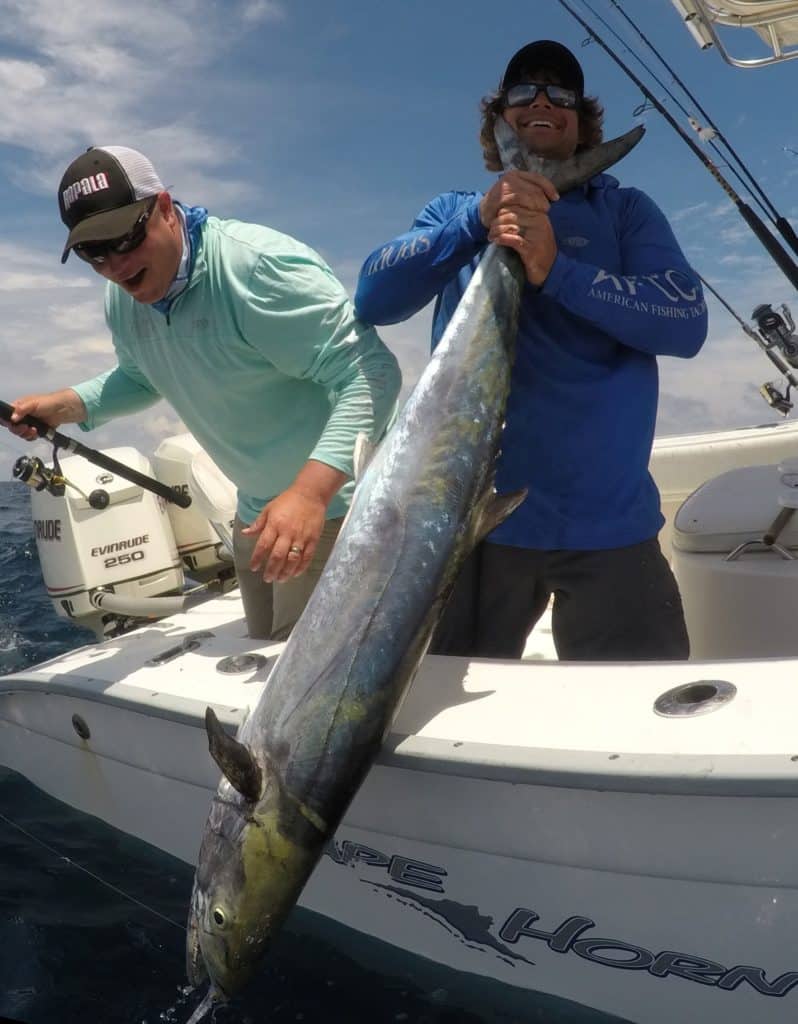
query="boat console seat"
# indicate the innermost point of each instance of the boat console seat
(735, 557)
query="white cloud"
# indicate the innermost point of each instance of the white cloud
(94, 74)
(22, 76)
(262, 10)
(688, 213)
(23, 269)
(19, 280)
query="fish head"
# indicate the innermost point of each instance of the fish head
(251, 869)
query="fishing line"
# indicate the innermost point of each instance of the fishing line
(775, 249)
(91, 874)
(781, 223)
(748, 330)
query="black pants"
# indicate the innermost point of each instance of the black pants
(620, 604)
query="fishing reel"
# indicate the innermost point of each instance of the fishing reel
(777, 330)
(776, 398)
(30, 470)
(775, 334)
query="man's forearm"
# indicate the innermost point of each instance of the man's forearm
(68, 407)
(319, 481)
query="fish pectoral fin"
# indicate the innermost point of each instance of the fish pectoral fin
(237, 763)
(494, 510)
(364, 452)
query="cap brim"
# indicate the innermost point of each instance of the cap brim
(105, 226)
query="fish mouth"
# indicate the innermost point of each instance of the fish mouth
(196, 968)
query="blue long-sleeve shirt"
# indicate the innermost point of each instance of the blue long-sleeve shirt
(582, 407)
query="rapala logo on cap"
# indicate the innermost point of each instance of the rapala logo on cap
(85, 187)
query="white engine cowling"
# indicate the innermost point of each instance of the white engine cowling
(199, 544)
(120, 558)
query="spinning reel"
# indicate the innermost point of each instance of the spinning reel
(775, 333)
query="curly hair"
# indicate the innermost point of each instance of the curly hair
(591, 121)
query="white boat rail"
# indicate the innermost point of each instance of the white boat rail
(774, 21)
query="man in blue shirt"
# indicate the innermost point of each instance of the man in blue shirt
(608, 291)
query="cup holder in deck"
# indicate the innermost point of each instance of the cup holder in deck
(696, 698)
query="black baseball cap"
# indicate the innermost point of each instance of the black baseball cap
(104, 192)
(545, 53)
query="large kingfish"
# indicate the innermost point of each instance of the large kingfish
(422, 503)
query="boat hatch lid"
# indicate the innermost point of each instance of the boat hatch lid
(732, 508)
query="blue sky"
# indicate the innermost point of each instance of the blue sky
(336, 123)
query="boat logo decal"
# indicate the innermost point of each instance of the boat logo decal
(476, 930)
(47, 529)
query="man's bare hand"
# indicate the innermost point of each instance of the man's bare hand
(290, 524)
(54, 408)
(515, 212)
(532, 237)
(517, 190)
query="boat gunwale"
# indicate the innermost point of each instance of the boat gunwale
(726, 775)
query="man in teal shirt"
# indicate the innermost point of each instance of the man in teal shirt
(252, 340)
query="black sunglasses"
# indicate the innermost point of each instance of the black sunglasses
(98, 252)
(524, 93)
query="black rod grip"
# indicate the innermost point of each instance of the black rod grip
(776, 250)
(787, 233)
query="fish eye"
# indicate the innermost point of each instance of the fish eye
(219, 917)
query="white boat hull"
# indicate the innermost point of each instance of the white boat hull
(537, 825)
(505, 792)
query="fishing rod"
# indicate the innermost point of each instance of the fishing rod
(781, 223)
(775, 249)
(33, 472)
(709, 133)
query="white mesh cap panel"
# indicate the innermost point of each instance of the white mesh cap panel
(139, 170)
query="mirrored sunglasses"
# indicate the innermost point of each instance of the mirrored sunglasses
(98, 252)
(524, 93)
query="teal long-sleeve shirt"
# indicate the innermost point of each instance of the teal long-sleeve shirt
(261, 356)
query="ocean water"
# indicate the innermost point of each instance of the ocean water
(92, 921)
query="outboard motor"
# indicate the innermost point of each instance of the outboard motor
(204, 547)
(106, 546)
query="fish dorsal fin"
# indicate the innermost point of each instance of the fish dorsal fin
(364, 452)
(494, 509)
(361, 457)
(235, 761)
